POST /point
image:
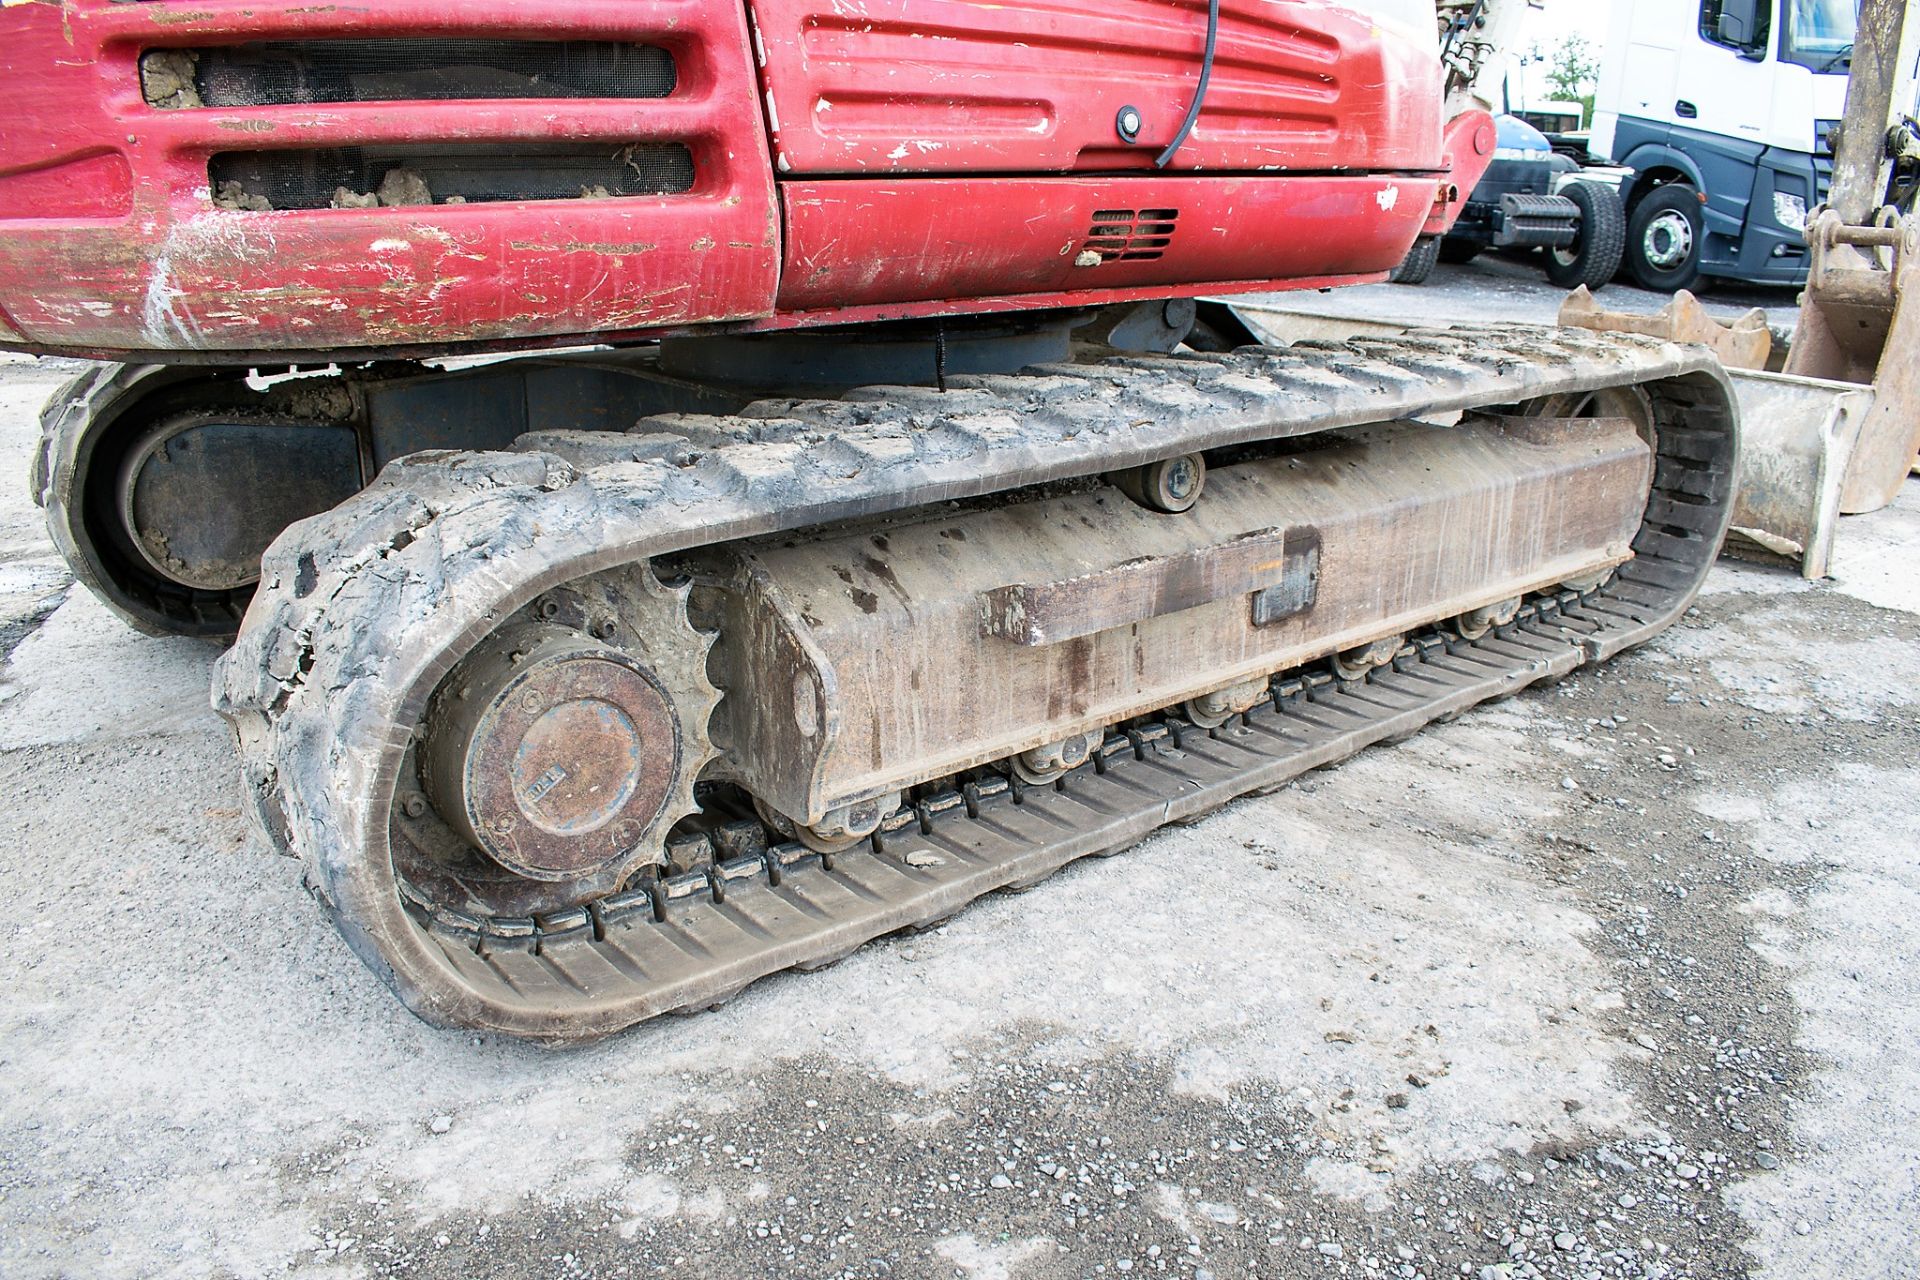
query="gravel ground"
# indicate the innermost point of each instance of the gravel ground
(1612, 978)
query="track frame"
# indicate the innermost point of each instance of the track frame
(362, 610)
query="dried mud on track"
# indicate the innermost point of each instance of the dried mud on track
(1611, 978)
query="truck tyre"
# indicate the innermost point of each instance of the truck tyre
(1594, 256)
(1418, 264)
(1664, 239)
(1458, 251)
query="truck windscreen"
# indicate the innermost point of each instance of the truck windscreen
(1819, 34)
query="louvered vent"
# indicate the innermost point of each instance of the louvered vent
(447, 173)
(1129, 235)
(288, 72)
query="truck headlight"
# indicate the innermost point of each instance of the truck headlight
(1790, 211)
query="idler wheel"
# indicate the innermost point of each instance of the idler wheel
(552, 752)
(200, 498)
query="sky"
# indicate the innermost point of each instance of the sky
(1553, 22)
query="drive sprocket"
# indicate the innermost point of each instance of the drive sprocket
(556, 755)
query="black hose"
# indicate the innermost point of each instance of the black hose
(1199, 90)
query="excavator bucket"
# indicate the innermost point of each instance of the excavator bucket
(1836, 431)
(1799, 435)
(1860, 324)
(1801, 432)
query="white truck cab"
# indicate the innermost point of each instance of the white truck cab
(1722, 109)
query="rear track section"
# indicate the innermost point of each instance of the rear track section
(362, 612)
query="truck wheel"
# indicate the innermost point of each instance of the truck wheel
(1594, 255)
(1418, 264)
(1458, 251)
(1664, 239)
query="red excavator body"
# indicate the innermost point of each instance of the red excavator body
(232, 179)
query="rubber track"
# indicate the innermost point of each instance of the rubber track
(362, 609)
(67, 424)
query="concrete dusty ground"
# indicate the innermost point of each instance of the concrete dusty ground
(1613, 978)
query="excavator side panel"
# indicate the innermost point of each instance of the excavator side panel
(853, 242)
(227, 183)
(169, 173)
(933, 86)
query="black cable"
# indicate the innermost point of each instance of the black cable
(1199, 90)
(940, 355)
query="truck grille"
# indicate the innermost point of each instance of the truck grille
(447, 173)
(285, 73)
(1823, 134)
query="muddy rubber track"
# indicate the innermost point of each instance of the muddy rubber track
(362, 610)
(68, 430)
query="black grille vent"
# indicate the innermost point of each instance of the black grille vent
(1128, 235)
(447, 173)
(1823, 136)
(322, 71)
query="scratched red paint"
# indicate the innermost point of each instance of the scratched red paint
(936, 86)
(891, 195)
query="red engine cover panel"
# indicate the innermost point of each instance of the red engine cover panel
(935, 86)
(871, 241)
(942, 156)
(109, 237)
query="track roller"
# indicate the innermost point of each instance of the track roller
(1475, 623)
(1355, 663)
(842, 827)
(1211, 710)
(1043, 764)
(1170, 486)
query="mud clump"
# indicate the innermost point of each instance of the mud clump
(233, 195)
(167, 78)
(399, 187)
(403, 187)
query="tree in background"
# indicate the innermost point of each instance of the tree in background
(1572, 70)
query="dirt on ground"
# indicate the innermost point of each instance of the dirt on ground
(1612, 978)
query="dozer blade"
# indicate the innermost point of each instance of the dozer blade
(564, 745)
